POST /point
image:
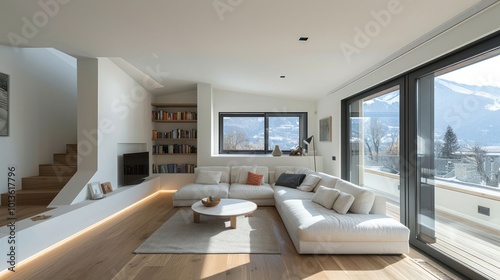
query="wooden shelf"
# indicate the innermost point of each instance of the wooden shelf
(174, 154)
(176, 121)
(173, 173)
(175, 139)
(174, 105)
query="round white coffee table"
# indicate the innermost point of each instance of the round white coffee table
(227, 207)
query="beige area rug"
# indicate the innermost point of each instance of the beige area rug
(180, 235)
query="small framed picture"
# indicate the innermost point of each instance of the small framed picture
(95, 190)
(325, 129)
(106, 187)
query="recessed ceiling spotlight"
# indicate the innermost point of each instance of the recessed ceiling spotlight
(303, 39)
(282, 76)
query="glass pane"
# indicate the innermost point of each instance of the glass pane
(458, 162)
(285, 132)
(243, 133)
(374, 145)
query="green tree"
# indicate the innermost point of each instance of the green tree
(450, 145)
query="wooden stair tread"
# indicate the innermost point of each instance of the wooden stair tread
(47, 182)
(48, 177)
(21, 192)
(53, 164)
(31, 197)
(42, 189)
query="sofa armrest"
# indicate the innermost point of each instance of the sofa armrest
(379, 205)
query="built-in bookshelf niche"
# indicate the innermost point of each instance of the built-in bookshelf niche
(174, 138)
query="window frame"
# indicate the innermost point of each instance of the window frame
(408, 133)
(266, 115)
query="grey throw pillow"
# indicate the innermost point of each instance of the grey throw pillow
(290, 180)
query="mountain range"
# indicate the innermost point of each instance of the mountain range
(472, 111)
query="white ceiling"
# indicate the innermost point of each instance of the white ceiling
(245, 46)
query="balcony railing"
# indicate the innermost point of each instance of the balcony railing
(461, 231)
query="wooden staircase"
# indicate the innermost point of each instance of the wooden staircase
(42, 189)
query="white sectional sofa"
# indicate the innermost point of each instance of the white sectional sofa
(313, 227)
(232, 184)
(317, 230)
(193, 192)
(262, 195)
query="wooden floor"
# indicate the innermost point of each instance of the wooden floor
(472, 244)
(105, 252)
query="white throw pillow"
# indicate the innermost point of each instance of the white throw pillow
(364, 198)
(206, 177)
(309, 183)
(343, 203)
(243, 175)
(325, 196)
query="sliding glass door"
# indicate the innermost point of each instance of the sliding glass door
(429, 141)
(374, 141)
(458, 161)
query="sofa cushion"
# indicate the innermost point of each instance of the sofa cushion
(343, 202)
(278, 170)
(254, 179)
(251, 192)
(224, 169)
(198, 191)
(363, 198)
(379, 205)
(239, 174)
(310, 182)
(326, 180)
(290, 180)
(284, 193)
(242, 175)
(326, 197)
(207, 177)
(314, 223)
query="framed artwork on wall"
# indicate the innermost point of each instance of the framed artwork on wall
(325, 129)
(4, 104)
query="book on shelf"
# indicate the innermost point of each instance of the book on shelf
(175, 134)
(173, 168)
(161, 115)
(174, 149)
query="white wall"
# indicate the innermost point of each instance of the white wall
(213, 101)
(114, 115)
(42, 109)
(124, 119)
(467, 32)
(178, 97)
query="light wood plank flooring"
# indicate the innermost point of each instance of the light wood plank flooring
(472, 244)
(105, 252)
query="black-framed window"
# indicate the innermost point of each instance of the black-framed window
(258, 133)
(448, 135)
